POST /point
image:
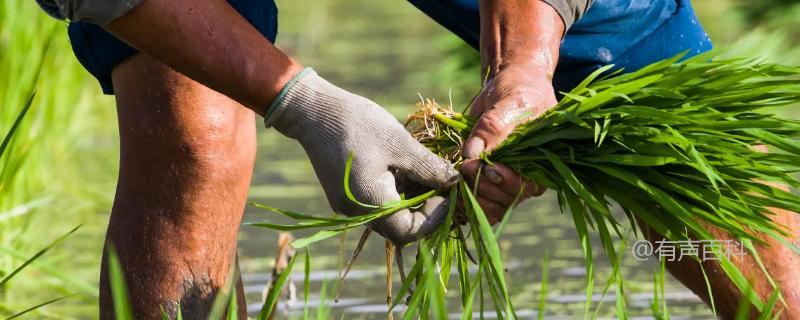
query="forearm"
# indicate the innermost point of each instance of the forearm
(211, 43)
(519, 33)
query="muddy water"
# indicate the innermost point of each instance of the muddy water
(386, 51)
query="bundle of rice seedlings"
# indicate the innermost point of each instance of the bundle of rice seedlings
(673, 144)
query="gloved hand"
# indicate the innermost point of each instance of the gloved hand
(330, 123)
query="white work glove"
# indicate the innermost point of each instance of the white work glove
(331, 123)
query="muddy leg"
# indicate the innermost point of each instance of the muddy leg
(186, 161)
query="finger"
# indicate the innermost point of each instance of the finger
(492, 191)
(504, 177)
(369, 186)
(485, 187)
(460, 217)
(512, 182)
(404, 226)
(478, 105)
(470, 167)
(492, 128)
(424, 167)
(533, 190)
(493, 210)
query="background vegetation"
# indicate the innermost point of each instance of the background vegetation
(60, 168)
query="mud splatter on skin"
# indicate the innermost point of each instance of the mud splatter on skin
(197, 298)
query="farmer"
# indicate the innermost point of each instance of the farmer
(190, 76)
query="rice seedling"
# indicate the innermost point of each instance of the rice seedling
(119, 288)
(672, 144)
(543, 287)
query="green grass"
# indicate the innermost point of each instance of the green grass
(8, 276)
(56, 168)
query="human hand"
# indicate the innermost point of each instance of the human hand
(331, 124)
(499, 188)
(513, 96)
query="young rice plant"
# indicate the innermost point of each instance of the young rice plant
(673, 144)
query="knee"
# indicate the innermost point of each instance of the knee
(205, 138)
(216, 135)
(166, 119)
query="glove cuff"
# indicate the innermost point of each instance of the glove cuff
(284, 95)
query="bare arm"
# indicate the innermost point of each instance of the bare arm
(211, 43)
(519, 34)
(519, 50)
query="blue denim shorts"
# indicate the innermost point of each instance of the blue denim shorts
(99, 51)
(627, 33)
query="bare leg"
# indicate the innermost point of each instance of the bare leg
(186, 161)
(781, 262)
